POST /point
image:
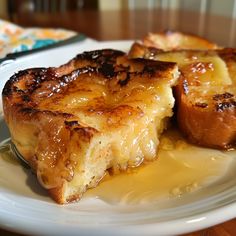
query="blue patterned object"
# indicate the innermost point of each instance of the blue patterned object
(17, 39)
(43, 42)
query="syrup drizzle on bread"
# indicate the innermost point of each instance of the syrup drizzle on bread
(99, 112)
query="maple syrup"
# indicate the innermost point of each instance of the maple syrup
(180, 168)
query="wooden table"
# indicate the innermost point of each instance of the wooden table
(117, 25)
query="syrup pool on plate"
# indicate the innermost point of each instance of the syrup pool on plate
(180, 168)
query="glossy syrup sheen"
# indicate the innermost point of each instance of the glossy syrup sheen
(7, 155)
(180, 168)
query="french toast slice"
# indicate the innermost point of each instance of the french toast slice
(101, 111)
(173, 40)
(205, 94)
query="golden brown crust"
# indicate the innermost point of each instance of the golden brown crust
(171, 40)
(206, 105)
(207, 114)
(57, 194)
(211, 123)
(63, 119)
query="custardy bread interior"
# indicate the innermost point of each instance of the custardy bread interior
(101, 111)
(205, 94)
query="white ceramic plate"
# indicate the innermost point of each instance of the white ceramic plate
(26, 208)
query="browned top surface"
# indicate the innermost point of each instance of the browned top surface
(103, 85)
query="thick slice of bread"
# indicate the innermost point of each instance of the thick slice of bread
(205, 94)
(171, 40)
(99, 112)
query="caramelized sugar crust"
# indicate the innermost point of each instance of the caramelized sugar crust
(99, 111)
(171, 40)
(205, 94)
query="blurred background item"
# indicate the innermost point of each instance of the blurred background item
(50, 6)
(127, 19)
(9, 8)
